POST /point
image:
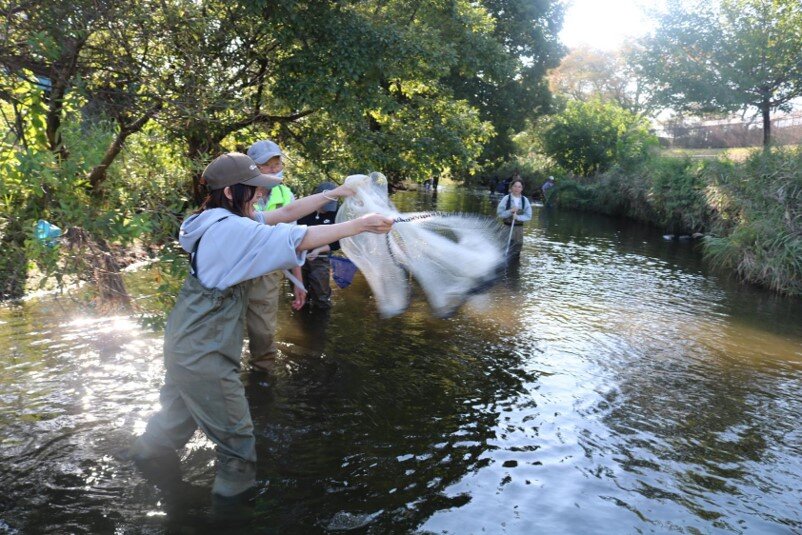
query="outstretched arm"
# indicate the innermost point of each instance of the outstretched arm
(304, 206)
(325, 234)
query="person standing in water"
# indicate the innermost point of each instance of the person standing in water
(229, 244)
(515, 209)
(263, 297)
(545, 190)
(317, 268)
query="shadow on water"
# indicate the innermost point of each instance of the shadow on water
(609, 381)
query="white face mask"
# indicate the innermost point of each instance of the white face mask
(280, 174)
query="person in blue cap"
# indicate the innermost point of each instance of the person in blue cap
(263, 296)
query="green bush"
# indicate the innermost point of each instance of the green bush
(665, 192)
(590, 137)
(141, 201)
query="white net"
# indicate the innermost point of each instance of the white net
(452, 256)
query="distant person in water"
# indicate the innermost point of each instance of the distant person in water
(545, 189)
(514, 209)
(503, 186)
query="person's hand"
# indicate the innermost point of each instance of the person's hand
(300, 299)
(340, 191)
(317, 251)
(376, 223)
(514, 211)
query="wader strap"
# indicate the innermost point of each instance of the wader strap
(523, 202)
(193, 265)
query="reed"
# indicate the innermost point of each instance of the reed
(750, 210)
(757, 228)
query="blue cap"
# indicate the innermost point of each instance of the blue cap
(263, 150)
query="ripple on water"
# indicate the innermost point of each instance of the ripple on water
(608, 382)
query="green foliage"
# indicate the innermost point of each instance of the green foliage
(667, 192)
(751, 211)
(727, 55)
(502, 71)
(387, 82)
(142, 198)
(532, 170)
(677, 194)
(160, 283)
(757, 231)
(112, 109)
(590, 137)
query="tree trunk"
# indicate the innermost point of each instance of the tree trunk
(62, 73)
(95, 261)
(98, 173)
(765, 110)
(197, 149)
(13, 261)
(200, 147)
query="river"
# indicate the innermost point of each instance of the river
(609, 384)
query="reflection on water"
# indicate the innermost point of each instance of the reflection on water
(610, 381)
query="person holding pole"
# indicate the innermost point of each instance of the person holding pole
(514, 209)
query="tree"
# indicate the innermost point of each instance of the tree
(57, 60)
(727, 55)
(589, 137)
(586, 73)
(96, 48)
(374, 74)
(502, 71)
(345, 85)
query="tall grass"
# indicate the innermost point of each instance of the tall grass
(751, 210)
(667, 192)
(757, 231)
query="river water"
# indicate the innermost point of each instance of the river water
(609, 384)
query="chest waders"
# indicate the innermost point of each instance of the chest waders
(202, 387)
(509, 220)
(516, 238)
(262, 316)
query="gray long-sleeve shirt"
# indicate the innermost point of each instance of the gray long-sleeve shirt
(524, 213)
(237, 248)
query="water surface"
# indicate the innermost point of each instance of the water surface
(610, 383)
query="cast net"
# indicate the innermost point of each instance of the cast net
(451, 256)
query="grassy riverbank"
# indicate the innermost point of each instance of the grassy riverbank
(750, 210)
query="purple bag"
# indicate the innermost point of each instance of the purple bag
(343, 271)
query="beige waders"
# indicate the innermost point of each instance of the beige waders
(202, 387)
(263, 314)
(263, 296)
